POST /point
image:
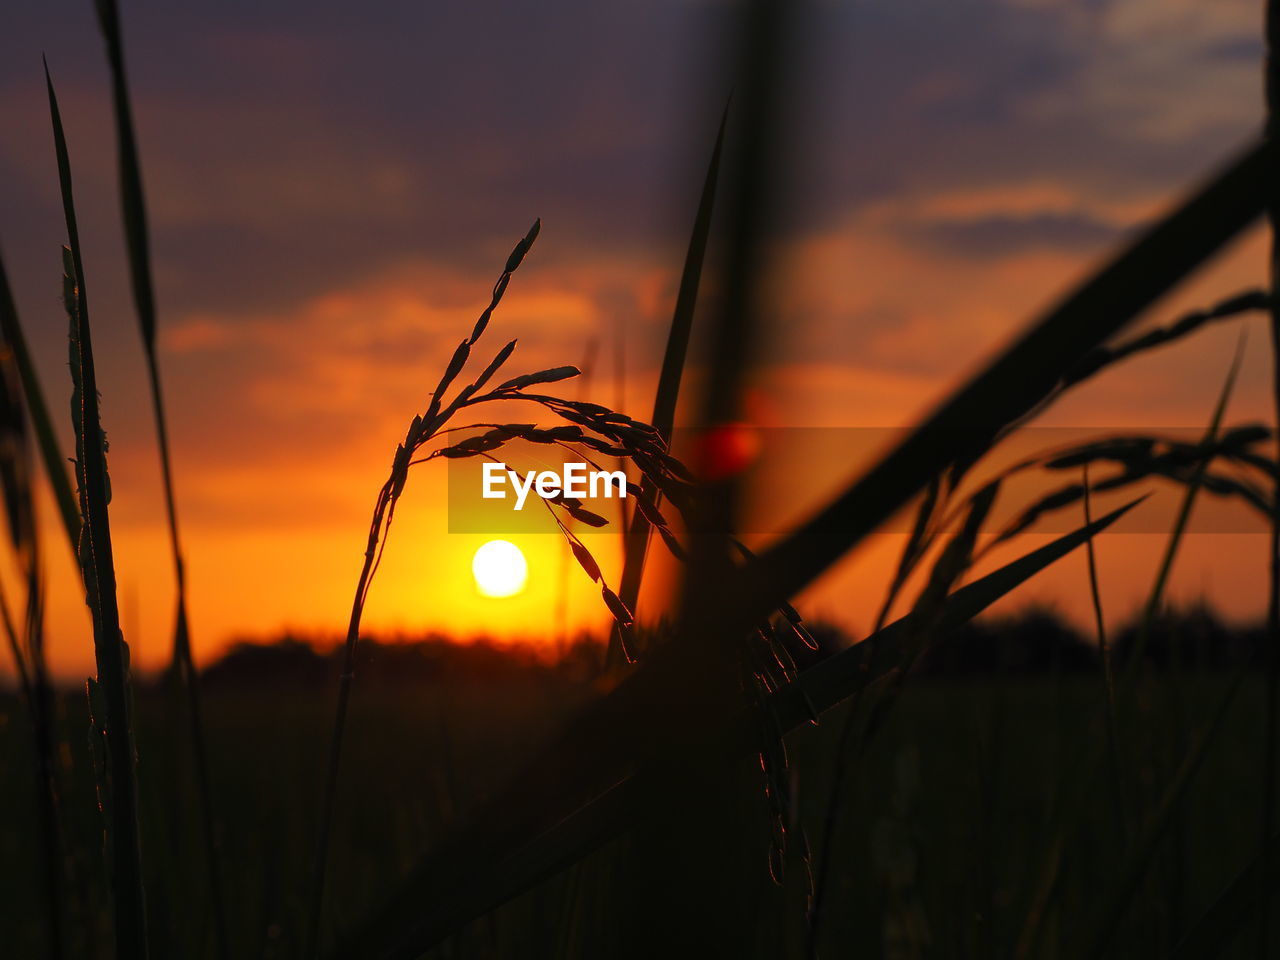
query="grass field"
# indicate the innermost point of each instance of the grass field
(942, 841)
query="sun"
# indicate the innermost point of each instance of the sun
(500, 569)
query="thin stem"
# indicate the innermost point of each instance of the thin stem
(371, 554)
(1108, 677)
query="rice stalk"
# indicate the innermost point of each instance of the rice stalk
(1093, 363)
(587, 424)
(1139, 457)
(182, 665)
(110, 696)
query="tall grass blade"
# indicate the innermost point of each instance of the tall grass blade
(542, 822)
(673, 359)
(183, 665)
(1156, 598)
(55, 464)
(98, 568)
(751, 174)
(725, 671)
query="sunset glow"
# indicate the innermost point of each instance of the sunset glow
(306, 309)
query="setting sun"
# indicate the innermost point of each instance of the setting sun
(500, 569)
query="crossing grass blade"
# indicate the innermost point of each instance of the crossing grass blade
(1017, 379)
(183, 666)
(110, 695)
(531, 829)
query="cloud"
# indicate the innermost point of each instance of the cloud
(1161, 71)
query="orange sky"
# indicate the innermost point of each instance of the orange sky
(329, 214)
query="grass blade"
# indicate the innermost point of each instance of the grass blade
(131, 196)
(55, 464)
(668, 392)
(183, 667)
(98, 567)
(1156, 597)
(1108, 678)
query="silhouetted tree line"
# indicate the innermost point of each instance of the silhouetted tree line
(314, 661)
(1035, 641)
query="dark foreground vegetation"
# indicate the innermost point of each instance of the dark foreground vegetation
(975, 786)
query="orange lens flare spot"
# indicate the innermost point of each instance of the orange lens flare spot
(726, 450)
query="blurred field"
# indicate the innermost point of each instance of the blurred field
(941, 843)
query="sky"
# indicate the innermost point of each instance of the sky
(333, 188)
